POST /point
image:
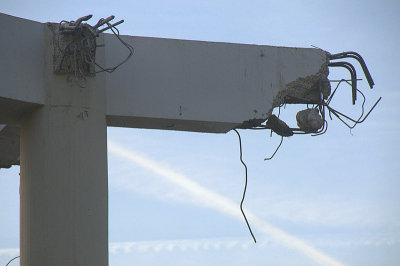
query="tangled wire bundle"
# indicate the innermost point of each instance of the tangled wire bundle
(76, 45)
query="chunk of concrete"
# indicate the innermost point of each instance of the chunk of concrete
(309, 120)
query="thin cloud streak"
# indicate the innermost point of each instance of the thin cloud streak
(211, 199)
(9, 251)
(180, 245)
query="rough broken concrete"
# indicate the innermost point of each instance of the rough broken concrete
(279, 126)
(309, 120)
(65, 61)
(306, 90)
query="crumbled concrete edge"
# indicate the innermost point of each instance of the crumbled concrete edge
(303, 87)
(251, 123)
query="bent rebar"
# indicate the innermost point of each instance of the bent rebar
(359, 58)
(353, 74)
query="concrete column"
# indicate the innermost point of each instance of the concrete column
(64, 186)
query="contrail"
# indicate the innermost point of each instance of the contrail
(220, 203)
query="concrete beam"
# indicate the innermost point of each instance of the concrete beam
(205, 86)
(22, 56)
(167, 84)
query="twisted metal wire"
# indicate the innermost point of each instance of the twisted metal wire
(245, 186)
(80, 53)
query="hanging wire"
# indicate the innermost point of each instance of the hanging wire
(12, 260)
(115, 31)
(78, 53)
(322, 107)
(276, 150)
(342, 116)
(245, 186)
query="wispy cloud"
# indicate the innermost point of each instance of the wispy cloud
(181, 245)
(231, 243)
(211, 199)
(9, 251)
(330, 211)
(184, 245)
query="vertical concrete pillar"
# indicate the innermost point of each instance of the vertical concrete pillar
(64, 186)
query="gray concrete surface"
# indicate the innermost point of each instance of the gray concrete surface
(22, 63)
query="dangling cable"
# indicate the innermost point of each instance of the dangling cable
(12, 260)
(245, 186)
(115, 31)
(276, 150)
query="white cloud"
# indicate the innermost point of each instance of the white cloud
(221, 243)
(183, 245)
(330, 210)
(9, 251)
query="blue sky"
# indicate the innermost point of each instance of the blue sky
(338, 193)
